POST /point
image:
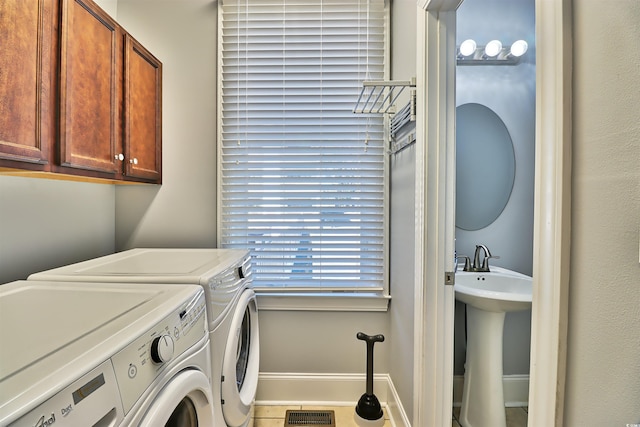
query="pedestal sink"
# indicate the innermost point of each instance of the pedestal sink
(488, 297)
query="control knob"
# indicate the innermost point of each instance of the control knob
(162, 349)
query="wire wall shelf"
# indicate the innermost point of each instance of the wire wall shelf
(405, 115)
(379, 97)
(401, 135)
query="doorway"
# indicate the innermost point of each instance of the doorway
(495, 103)
(434, 230)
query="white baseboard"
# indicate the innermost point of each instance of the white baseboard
(276, 388)
(516, 390)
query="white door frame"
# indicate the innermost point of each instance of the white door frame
(435, 209)
(552, 213)
(435, 162)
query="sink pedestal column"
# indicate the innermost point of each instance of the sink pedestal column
(483, 394)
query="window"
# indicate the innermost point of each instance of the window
(302, 178)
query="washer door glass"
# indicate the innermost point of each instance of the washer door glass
(244, 344)
(241, 362)
(185, 415)
(185, 401)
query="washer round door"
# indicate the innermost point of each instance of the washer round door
(185, 401)
(241, 360)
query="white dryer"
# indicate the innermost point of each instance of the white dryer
(92, 354)
(225, 275)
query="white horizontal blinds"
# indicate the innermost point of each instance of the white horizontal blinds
(302, 177)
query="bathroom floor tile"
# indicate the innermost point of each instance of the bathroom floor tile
(516, 417)
(456, 412)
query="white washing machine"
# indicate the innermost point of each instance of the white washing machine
(225, 275)
(92, 354)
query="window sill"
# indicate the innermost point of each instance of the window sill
(322, 301)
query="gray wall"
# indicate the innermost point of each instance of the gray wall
(402, 217)
(510, 92)
(48, 223)
(320, 342)
(401, 310)
(603, 364)
(181, 212)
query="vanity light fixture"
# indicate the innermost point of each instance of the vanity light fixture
(518, 48)
(493, 48)
(467, 48)
(493, 53)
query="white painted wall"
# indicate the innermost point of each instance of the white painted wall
(510, 92)
(603, 363)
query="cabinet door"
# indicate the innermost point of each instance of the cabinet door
(90, 76)
(27, 109)
(142, 112)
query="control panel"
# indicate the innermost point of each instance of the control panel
(138, 365)
(91, 400)
(223, 287)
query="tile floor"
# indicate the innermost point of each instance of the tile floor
(516, 417)
(273, 416)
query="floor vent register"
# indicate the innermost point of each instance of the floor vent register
(309, 418)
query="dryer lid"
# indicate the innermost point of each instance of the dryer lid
(37, 320)
(149, 265)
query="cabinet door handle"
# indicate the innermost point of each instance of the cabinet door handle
(134, 161)
(120, 157)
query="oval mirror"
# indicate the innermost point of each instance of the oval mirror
(485, 166)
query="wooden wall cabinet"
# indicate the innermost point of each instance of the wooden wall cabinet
(107, 101)
(90, 78)
(27, 81)
(142, 112)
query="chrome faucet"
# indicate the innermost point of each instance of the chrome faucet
(484, 267)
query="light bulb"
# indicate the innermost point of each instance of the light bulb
(468, 47)
(493, 48)
(519, 47)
